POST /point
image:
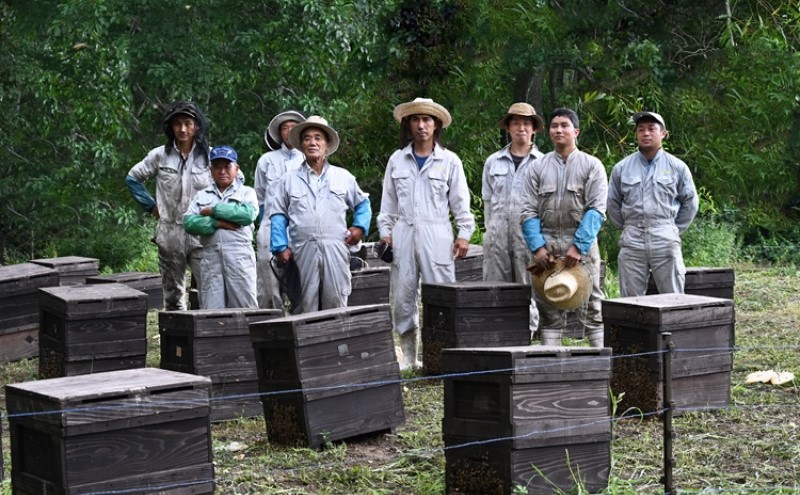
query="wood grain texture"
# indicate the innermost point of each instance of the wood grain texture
(77, 301)
(476, 294)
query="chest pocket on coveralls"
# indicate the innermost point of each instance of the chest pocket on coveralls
(439, 187)
(547, 198)
(298, 202)
(337, 199)
(631, 186)
(403, 183)
(666, 187)
(575, 202)
(499, 175)
(201, 178)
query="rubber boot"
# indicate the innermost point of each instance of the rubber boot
(595, 336)
(409, 345)
(550, 336)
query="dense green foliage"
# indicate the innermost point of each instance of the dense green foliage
(83, 85)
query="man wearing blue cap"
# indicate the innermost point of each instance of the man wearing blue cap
(223, 215)
(652, 198)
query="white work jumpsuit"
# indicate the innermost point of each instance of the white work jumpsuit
(316, 209)
(228, 260)
(177, 181)
(653, 204)
(506, 257)
(559, 193)
(415, 212)
(271, 167)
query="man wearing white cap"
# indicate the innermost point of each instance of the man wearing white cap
(423, 184)
(563, 209)
(309, 224)
(652, 198)
(505, 256)
(271, 167)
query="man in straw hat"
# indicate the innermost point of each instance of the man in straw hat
(423, 184)
(181, 169)
(563, 209)
(308, 212)
(271, 167)
(505, 256)
(652, 198)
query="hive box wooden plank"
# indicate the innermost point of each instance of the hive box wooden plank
(147, 282)
(472, 314)
(705, 281)
(19, 308)
(90, 329)
(549, 405)
(470, 267)
(72, 270)
(370, 286)
(216, 344)
(328, 375)
(145, 429)
(703, 335)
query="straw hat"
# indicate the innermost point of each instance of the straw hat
(523, 110)
(423, 106)
(296, 134)
(564, 288)
(274, 128)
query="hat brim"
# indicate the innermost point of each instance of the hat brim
(274, 127)
(538, 122)
(650, 115)
(431, 108)
(582, 277)
(296, 136)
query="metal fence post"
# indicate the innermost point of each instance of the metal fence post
(668, 405)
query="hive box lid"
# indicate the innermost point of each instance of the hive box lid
(123, 278)
(668, 311)
(536, 361)
(25, 278)
(93, 300)
(477, 294)
(323, 326)
(69, 263)
(214, 322)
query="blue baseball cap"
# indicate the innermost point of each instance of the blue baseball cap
(223, 153)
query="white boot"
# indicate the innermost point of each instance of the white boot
(595, 336)
(550, 336)
(409, 345)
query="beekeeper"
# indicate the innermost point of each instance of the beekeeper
(308, 212)
(652, 198)
(505, 256)
(181, 168)
(423, 184)
(271, 167)
(563, 208)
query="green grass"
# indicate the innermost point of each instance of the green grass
(751, 447)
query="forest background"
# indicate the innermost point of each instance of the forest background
(83, 86)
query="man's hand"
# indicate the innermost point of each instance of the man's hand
(543, 260)
(226, 225)
(460, 248)
(207, 211)
(387, 240)
(285, 256)
(355, 236)
(573, 257)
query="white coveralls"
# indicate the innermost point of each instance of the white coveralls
(415, 212)
(177, 181)
(316, 209)
(653, 204)
(560, 193)
(228, 261)
(506, 257)
(271, 167)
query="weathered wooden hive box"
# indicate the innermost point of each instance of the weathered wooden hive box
(472, 314)
(90, 329)
(72, 270)
(702, 281)
(533, 416)
(470, 267)
(147, 282)
(574, 329)
(328, 375)
(132, 431)
(370, 286)
(216, 344)
(703, 336)
(19, 308)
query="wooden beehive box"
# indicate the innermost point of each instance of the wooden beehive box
(470, 267)
(703, 281)
(216, 344)
(72, 270)
(702, 331)
(370, 286)
(90, 329)
(132, 431)
(574, 329)
(328, 375)
(19, 308)
(147, 282)
(550, 406)
(473, 314)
